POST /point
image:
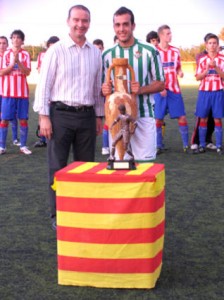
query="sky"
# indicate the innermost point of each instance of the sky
(189, 20)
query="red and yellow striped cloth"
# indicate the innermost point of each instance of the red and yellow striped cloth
(110, 225)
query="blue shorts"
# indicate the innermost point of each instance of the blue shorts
(172, 104)
(12, 107)
(213, 101)
(0, 106)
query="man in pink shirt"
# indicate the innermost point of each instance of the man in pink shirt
(68, 98)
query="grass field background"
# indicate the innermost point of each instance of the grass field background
(193, 262)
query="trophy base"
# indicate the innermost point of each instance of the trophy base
(121, 165)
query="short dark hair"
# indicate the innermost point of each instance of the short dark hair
(98, 42)
(207, 35)
(161, 28)
(122, 11)
(211, 36)
(151, 35)
(78, 6)
(52, 40)
(5, 38)
(19, 33)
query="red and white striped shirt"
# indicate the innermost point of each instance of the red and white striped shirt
(171, 65)
(1, 78)
(15, 83)
(40, 58)
(212, 81)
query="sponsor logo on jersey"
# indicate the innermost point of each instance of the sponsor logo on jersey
(168, 64)
(212, 72)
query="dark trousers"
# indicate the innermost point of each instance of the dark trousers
(74, 131)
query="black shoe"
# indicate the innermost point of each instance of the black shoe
(40, 144)
(201, 149)
(159, 151)
(53, 224)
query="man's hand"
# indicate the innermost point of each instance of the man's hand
(99, 126)
(45, 126)
(135, 87)
(212, 63)
(163, 93)
(16, 56)
(106, 88)
(180, 73)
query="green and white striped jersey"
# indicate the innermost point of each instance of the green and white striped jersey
(146, 63)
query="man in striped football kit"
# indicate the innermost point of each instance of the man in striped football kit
(210, 71)
(3, 48)
(170, 99)
(210, 122)
(15, 92)
(146, 62)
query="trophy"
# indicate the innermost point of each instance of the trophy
(121, 114)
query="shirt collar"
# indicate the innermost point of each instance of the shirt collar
(125, 48)
(70, 43)
(11, 49)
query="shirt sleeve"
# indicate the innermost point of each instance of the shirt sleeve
(99, 99)
(45, 83)
(157, 67)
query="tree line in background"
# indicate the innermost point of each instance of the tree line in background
(34, 51)
(187, 54)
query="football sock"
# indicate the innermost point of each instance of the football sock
(159, 137)
(202, 129)
(218, 134)
(43, 139)
(3, 135)
(14, 125)
(105, 136)
(183, 129)
(23, 133)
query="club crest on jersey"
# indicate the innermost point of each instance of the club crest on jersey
(138, 54)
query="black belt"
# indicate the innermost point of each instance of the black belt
(61, 106)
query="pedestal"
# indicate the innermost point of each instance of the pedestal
(110, 225)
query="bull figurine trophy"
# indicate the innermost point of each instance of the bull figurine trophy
(121, 114)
